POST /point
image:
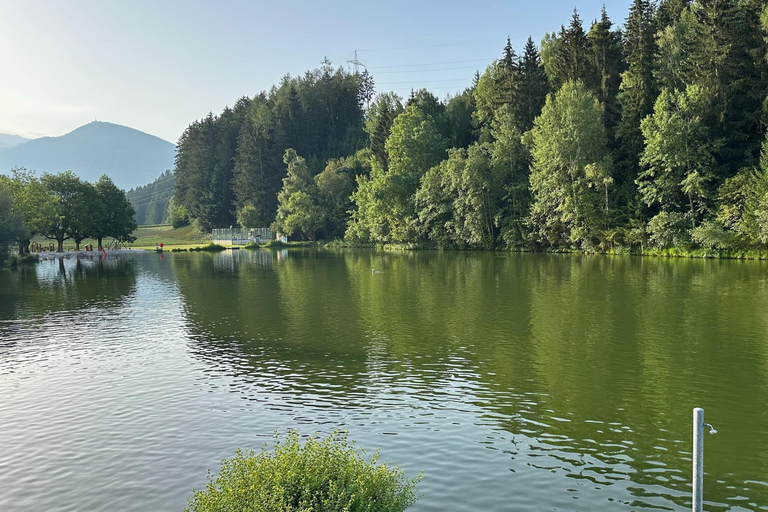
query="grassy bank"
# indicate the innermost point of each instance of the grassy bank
(187, 236)
(146, 238)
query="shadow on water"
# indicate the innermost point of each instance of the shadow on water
(585, 367)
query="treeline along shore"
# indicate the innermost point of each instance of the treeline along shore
(61, 207)
(644, 136)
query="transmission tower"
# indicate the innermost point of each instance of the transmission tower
(356, 64)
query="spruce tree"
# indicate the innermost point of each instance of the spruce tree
(606, 60)
(509, 60)
(731, 68)
(566, 55)
(533, 87)
(669, 11)
(638, 86)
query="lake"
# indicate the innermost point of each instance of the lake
(514, 381)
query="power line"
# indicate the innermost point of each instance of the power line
(148, 193)
(159, 199)
(426, 81)
(434, 63)
(157, 182)
(408, 89)
(433, 46)
(423, 70)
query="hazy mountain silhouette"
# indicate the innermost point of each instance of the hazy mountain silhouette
(8, 141)
(130, 157)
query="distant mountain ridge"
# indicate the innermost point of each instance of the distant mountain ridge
(8, 141)
(130, 157)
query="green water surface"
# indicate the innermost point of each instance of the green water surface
(514, 381)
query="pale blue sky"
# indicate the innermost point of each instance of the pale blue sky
(158, 65)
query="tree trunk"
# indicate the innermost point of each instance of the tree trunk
(61, 244)
(693, 215)
(23, 246)
(99, 239)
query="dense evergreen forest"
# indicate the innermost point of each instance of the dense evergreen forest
(152, 200)
(605, 137)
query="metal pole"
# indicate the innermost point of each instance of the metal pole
(698, 459)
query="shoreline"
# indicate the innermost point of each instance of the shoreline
(48, 255)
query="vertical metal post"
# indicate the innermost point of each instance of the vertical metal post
(698, 459)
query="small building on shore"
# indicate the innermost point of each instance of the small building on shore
(241, 236)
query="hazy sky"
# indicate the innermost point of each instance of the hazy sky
(156, 65)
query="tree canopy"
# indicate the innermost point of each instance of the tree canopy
(603, 137)
(62, 207)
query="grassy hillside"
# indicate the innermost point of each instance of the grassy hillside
(148, 236)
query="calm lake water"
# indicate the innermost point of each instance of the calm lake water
(514, 381)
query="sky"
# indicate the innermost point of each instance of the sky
(157, 65)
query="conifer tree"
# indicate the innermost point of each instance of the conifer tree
(533, 87)
(566, 55)
(509, 60)
(638, 85)
(668, 12)
(379, 117)
(606, 60)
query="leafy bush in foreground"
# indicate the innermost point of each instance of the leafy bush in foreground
(320, 475)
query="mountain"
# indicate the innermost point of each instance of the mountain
(130, 157)
(8, 141)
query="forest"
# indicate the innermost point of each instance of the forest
(604, 137)
(151, 201)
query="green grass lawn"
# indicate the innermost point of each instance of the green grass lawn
(147, 237)
(188, 236)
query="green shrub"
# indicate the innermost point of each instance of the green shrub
(209, 248)
(275, 243)
(14, 260)
(669, 230)
(30, 258)
(321, 475)
(712, 235)
(251, 245)
(179, 249)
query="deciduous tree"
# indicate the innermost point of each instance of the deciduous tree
(115, 214)
(567, 138)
